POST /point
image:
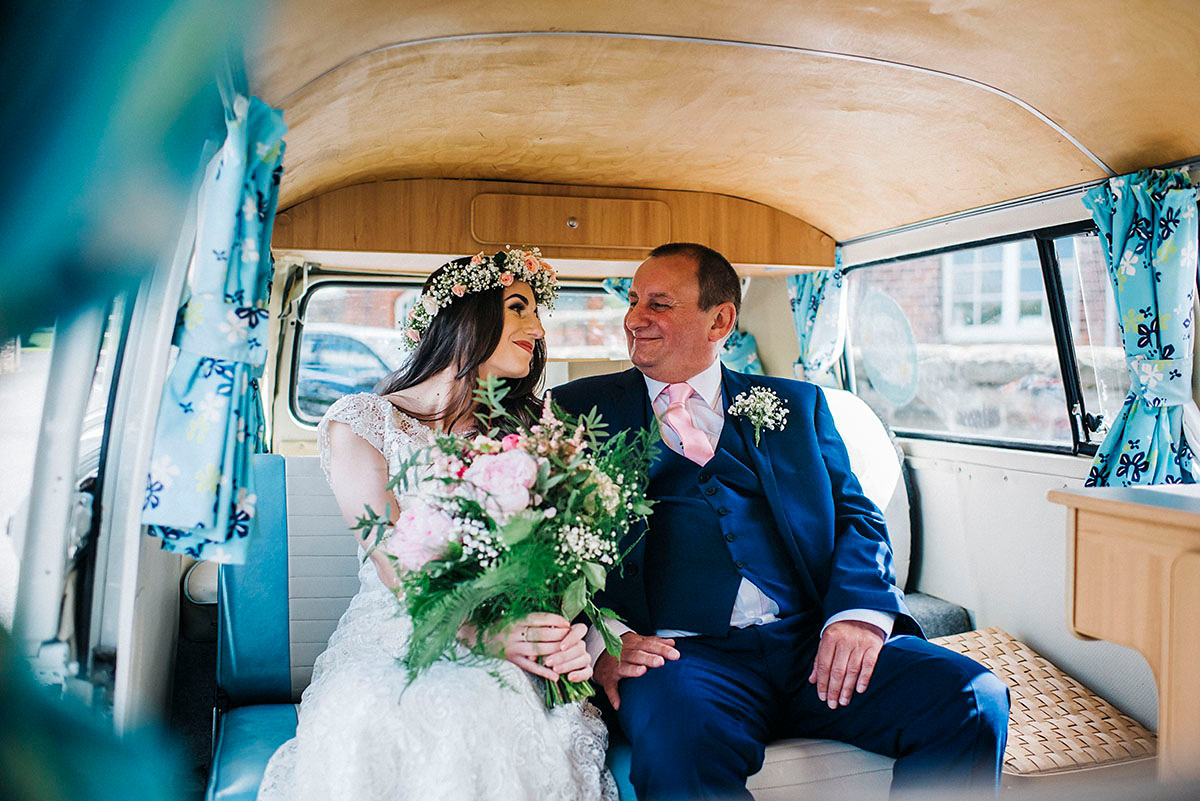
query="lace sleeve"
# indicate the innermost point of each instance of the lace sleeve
(366, 413)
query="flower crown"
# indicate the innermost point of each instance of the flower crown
(480, 274)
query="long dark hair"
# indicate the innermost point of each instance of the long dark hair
(463, 335)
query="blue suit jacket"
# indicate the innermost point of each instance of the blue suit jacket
(835, 535)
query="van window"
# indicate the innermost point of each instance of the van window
(348, 340)
(586, 324)
(1099, 351)
(961, 344)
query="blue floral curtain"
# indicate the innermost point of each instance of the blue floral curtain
(740, 351)
(199, 494)
(1148, 221)
(818, 311)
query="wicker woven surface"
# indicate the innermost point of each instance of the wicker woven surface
(1056, 723)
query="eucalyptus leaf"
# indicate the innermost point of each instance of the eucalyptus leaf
(517, 529)
(595, 574)
(575, 598)
(612, 643)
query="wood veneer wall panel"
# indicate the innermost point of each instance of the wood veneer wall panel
(434, 216)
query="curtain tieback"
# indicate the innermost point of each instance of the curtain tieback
(1161, 382)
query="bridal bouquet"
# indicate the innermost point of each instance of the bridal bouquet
(497, 526)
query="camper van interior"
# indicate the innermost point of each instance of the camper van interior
(917, 195)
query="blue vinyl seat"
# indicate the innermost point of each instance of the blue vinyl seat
(255, 714)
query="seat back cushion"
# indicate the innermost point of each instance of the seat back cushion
(252, 601)
(322, 564)
(878, 463)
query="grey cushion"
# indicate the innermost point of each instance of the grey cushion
(938, 618)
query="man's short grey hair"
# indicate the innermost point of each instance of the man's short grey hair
(718, 281)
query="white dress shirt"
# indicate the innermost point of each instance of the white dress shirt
(751, 607)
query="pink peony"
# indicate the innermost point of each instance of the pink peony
(420, 534)
(510, 442)
(459, 290)
(503, 481)
(446, 465)
(506, 279)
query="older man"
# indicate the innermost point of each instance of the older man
(760, 604)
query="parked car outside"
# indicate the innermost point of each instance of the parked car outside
(336, 359)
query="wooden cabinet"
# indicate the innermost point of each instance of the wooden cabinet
(355, 224)
(560, 220)
(1133, 577)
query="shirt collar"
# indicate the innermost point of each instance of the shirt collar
(707, 383)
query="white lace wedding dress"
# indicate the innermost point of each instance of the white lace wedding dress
(455, 732)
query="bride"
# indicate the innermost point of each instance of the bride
(459, 730)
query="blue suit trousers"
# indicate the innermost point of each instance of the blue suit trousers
(699, 725)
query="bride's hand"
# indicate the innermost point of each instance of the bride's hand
(572, 658)
(551, 636)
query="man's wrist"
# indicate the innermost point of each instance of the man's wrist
(594, 640)
(884, 621)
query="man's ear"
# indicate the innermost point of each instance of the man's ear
(723, 321)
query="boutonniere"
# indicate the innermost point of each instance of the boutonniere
(763, 408)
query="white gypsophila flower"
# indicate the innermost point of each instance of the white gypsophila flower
(582, 544)
(480, 274)
(479, 545)
(607, 493)
(762, 407)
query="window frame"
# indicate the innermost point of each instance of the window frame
(1076, 407)
(303, 418)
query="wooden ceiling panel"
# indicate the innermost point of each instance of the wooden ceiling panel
(841, 144)
(843, 153)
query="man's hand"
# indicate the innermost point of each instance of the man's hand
(638, 654)
(845, 660)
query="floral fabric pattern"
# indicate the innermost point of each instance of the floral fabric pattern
(1148, 221)
(818, 302)
(199, 492)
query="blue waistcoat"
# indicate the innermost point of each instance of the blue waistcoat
(711, 526)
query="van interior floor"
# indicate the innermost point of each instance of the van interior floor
(193, 696)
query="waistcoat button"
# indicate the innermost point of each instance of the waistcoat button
(729, 537)
(710, 490)
(724, 510)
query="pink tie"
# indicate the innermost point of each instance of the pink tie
(695, 444)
